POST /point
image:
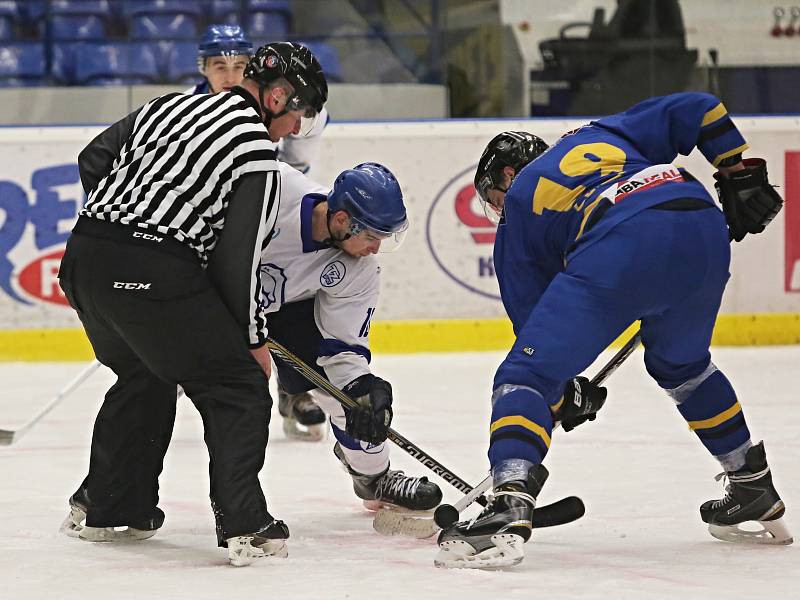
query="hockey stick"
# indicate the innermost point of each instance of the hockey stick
(544, 514)
(561, 512)
(9, 436)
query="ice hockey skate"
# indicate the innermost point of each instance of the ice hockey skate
(494, 538)
(74, 525)
(302, 418)
(269, 542)
(392, 489)
(750, 498)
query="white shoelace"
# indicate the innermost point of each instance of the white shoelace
(396, 484)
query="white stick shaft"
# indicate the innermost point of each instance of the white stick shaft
(68, 389)
(478, 490)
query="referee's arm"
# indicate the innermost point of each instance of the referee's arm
(96, 160)
(234, 264)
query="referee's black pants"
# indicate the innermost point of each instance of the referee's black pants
(152, 316)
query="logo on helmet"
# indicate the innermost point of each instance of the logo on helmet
(271, 61)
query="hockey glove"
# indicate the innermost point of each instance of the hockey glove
(370, 421)
(581, 401)
(748, 200)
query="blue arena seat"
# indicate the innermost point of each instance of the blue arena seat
(77, 27)
(163, 26)
(99, 8)
(9, 9)
(179, 62)
(328, 58)
(6, 28)
(116, 64)
(21, 64)
(271, 25)
(191, 8)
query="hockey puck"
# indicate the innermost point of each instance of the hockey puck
(445, 515)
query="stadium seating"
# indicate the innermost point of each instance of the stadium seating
(179, 62)
(328, 58)
(21, 64)
(9, 15)
(116, 64)
(145, 26)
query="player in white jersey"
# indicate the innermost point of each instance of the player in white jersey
(320, 289)
(221, 57)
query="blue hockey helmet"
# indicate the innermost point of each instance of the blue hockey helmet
(370, 194)
(224, 40)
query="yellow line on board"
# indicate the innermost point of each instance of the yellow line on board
(401, 337)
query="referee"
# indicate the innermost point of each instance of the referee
(162, 269)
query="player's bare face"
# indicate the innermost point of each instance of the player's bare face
(224, 72)
(363, 244)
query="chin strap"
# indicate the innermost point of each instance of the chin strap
(332, 240)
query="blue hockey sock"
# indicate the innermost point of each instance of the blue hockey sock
(709, 405)
(521, 425)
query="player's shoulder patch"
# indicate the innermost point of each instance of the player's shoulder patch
(333, 274)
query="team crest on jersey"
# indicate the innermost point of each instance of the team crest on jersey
(332, 274)
(273, 285)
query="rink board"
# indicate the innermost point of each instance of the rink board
(439, 292)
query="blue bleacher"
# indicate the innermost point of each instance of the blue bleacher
(77, 27)
(6, 28)
(194, 9)
(21, 64)
(163, 26)
(179, 62)
(273, 26)
(328, 58)
(126, 63)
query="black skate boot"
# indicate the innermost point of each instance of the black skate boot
(749, 496)
(392, 488)
(269, 541)
(135, 530)
(494, 538)
(302, 418)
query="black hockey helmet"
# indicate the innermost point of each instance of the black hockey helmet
(513, 149)
(295, 63)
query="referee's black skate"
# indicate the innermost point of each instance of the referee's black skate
(134, 530)
(495, 537)
(302, 418)
(751, 497)
(268, 542)
(392, 488)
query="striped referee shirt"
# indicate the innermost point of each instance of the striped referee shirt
(173, 167)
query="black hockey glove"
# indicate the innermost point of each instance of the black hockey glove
(748, 200)
(370, 421)
(582, 400)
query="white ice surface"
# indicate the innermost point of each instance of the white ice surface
(640, 471)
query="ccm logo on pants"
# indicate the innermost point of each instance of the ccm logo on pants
(122, 285)
(147, 236)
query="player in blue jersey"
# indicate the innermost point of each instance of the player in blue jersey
(596, 232)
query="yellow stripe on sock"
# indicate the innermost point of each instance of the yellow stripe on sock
(714, 421)
(715, 114)
(522, 422)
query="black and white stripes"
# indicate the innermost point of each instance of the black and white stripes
(176, 171)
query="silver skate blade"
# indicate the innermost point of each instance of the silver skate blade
(311, 433)
(773, 533)
(115, 534)
(242, 553)
(73, 524)
(393, 522)
(458, 554)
